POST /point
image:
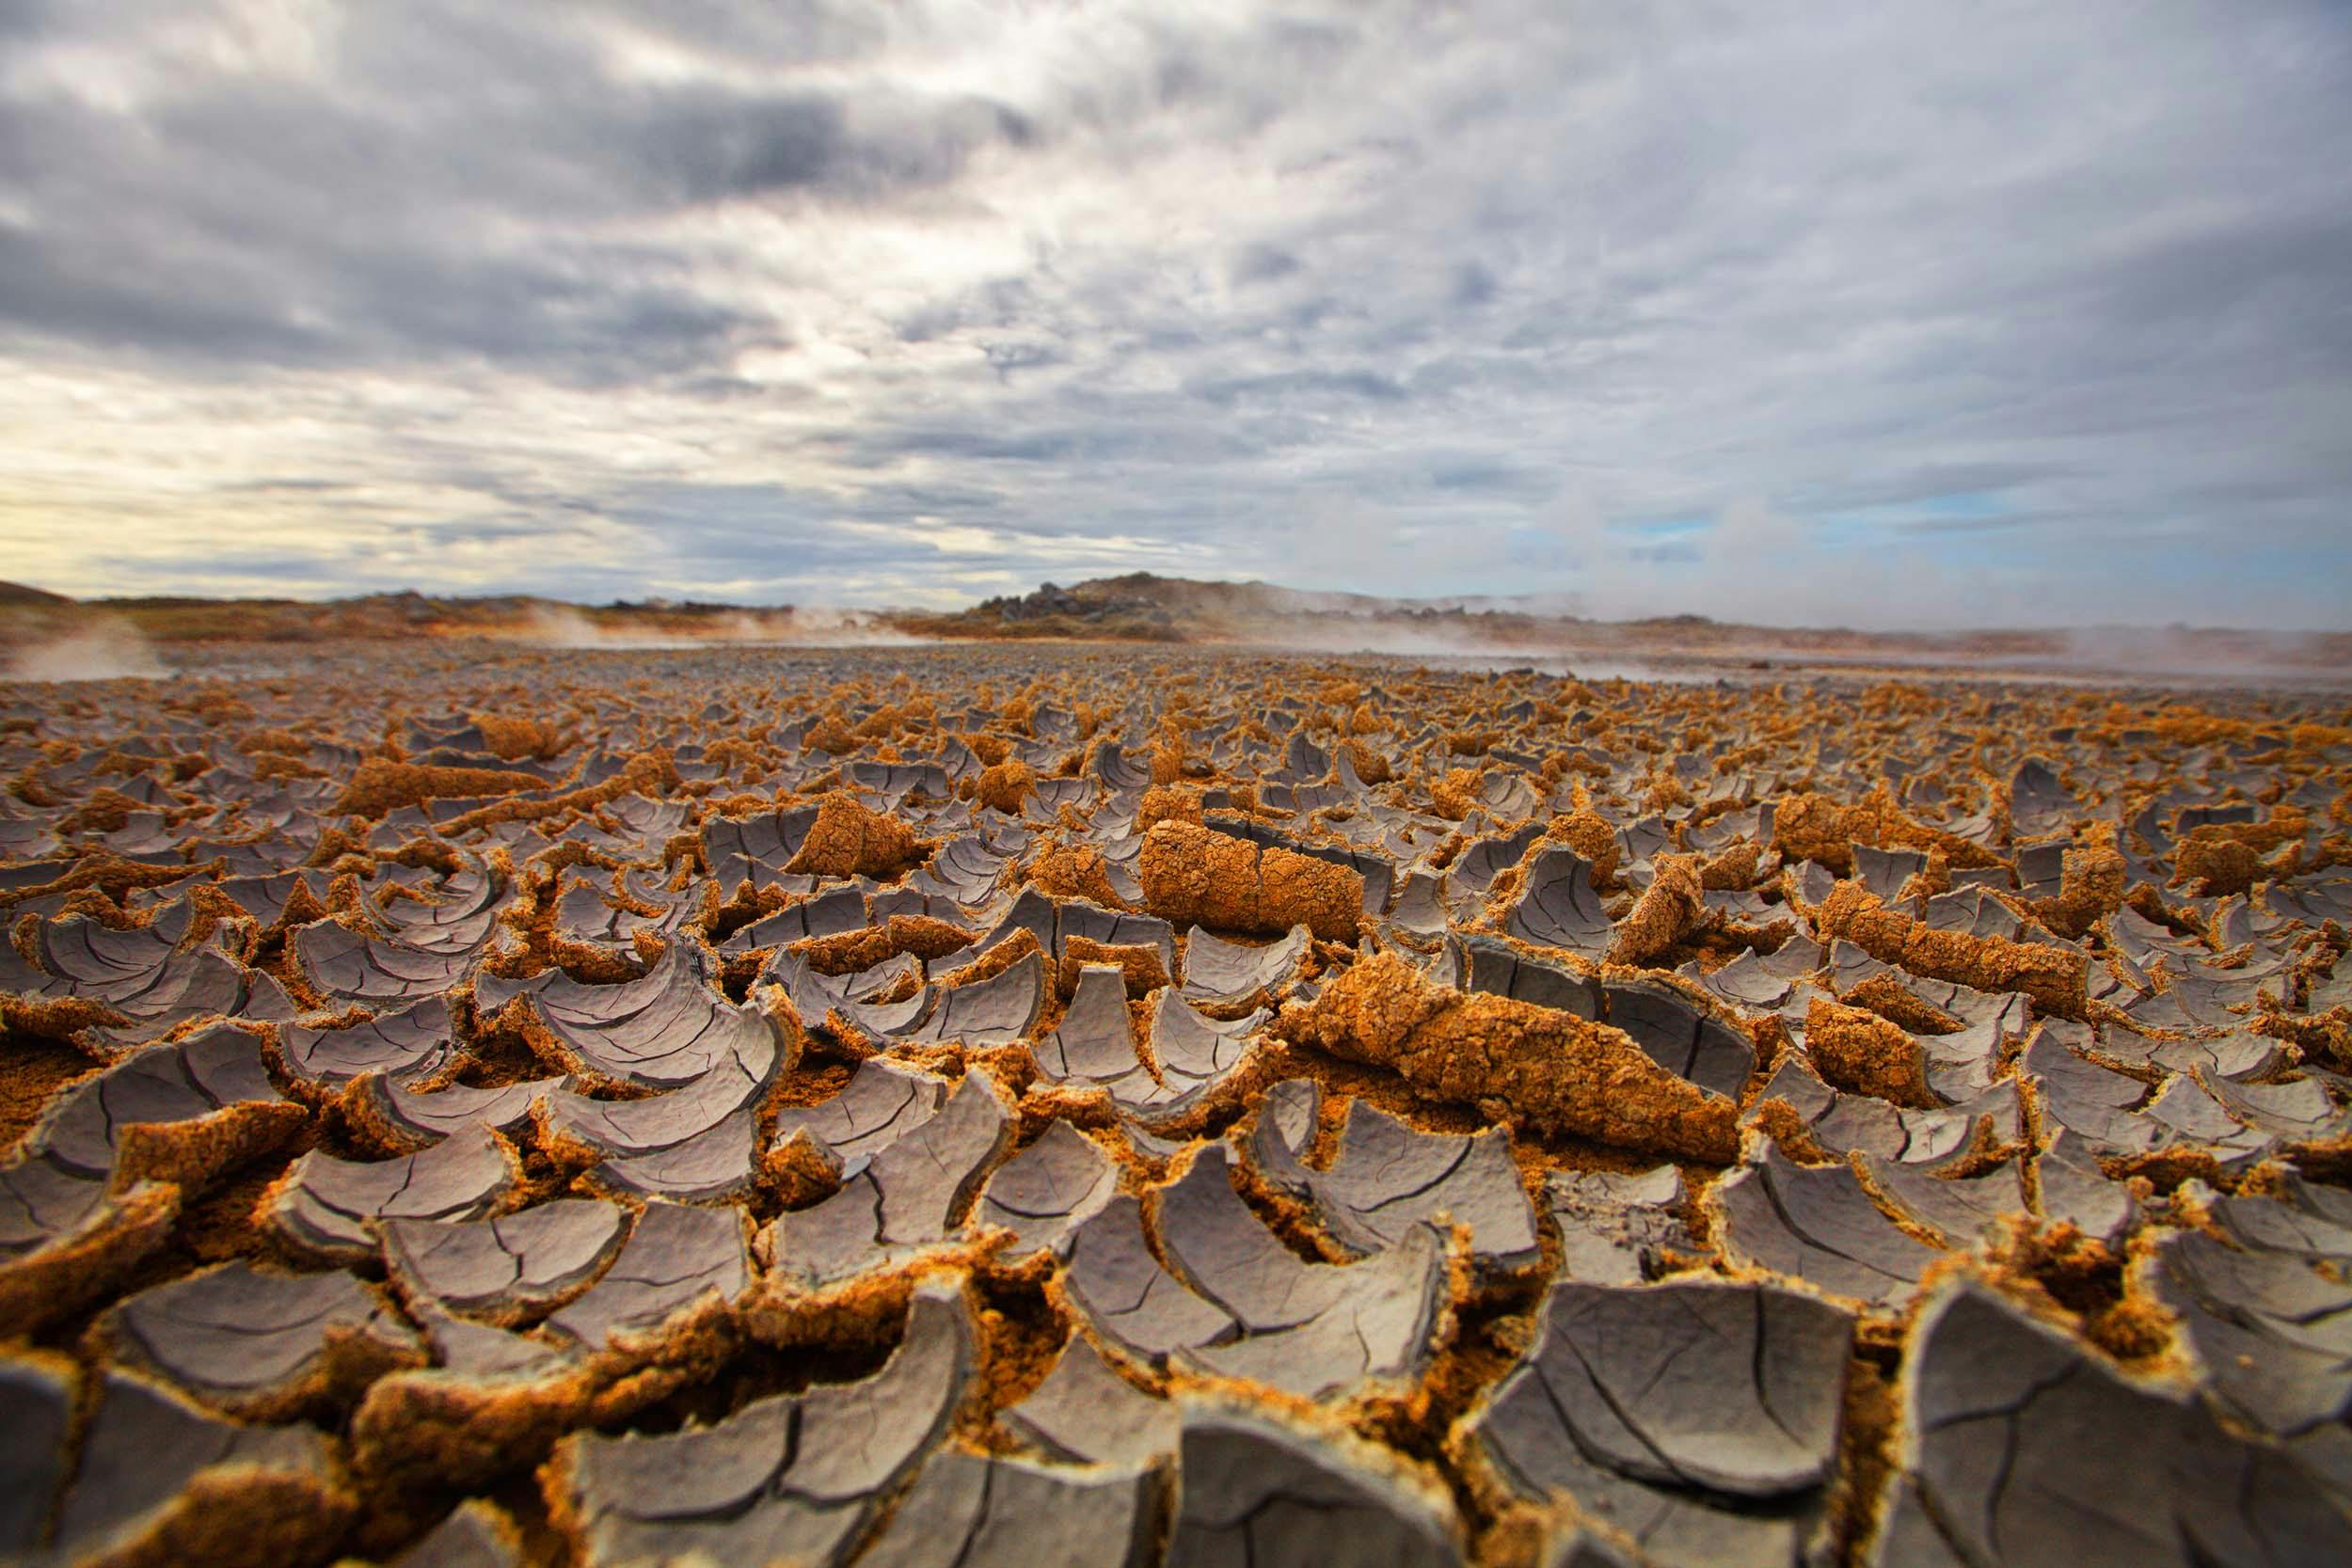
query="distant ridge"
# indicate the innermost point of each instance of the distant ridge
(1145, 607)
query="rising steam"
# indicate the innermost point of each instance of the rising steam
(102, 651)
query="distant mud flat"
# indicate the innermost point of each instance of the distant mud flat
(470, 1098)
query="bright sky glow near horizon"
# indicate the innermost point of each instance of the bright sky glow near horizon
(1887, 313)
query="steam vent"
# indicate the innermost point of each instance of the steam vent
(1048, 1105)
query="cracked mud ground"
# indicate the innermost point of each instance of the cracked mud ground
(1062, 1106)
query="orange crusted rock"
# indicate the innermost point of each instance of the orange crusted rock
(1815, 827)
(1074, 871)
(1889, 997)
(1138, 964)
(1669, 910)
(2217, 862)
(997, 960)
(848, 840)
(1167, 753)
(2091, 889)
(515, 738)
(1167, 803)
(1201, 876)
(378, 786)
(1732, 868)
(1590, 835)
(1514, 1060)
(925, 936)
(1370, 765)
(1456, 796)
(1860, 1051)
(2053, 977)
(1006, 785)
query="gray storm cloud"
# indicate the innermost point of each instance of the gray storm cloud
(1882, 313)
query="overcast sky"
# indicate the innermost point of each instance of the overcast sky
(1873, 312)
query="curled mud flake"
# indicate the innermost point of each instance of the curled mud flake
(1044, 1192)
(911, 1196)
(1817, 1224)
(1615, 1228)
(162, 1480)
(329, 1209)
(263, 1346)
(1196, 876)
(1314, 1330)
(676, 1261)
(1556, 906)
(184, 1113)
(1116, 1286)
(1258, 1492)
(1729, 1391)
(1230, 978)
(790, 1478)
(2017, 1443)
(965, 1508)
(1514, 1060)
(1084, 1412)
(1387, 1175)
(501, 1270)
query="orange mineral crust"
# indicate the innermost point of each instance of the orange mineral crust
(1514, 1061)
(1197, 875)
(1166, 1107)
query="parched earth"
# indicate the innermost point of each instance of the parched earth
(1057, 1106)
